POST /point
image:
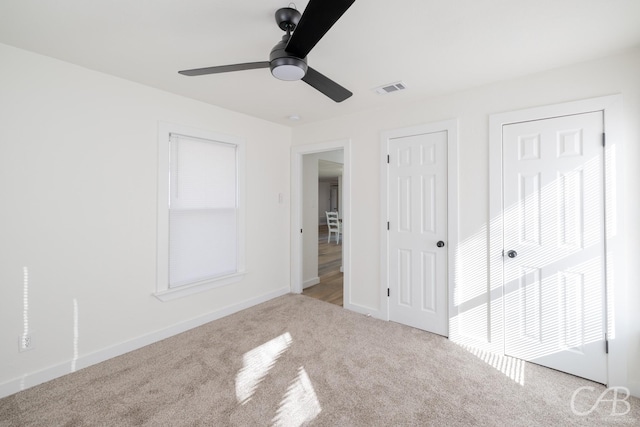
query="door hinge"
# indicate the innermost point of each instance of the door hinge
(606, 344)
(301, 230)
(388, 159)
(388, 292)
(388, 226)
(604, 139)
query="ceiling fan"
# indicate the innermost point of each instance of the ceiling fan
(288, 59)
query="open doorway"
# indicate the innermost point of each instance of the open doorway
(320, 184)
(329, 286)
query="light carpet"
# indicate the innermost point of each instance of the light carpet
(296, 361)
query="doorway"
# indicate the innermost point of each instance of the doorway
(322, 203)
(307, 223)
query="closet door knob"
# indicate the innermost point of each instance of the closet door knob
(440, 244)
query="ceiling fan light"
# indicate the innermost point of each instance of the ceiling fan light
(288, 72)
(288, 68)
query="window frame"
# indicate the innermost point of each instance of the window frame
(163, 292)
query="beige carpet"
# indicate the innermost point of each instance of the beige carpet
(298, 361)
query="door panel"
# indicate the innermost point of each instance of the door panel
(429, 277)
(404, 277)
(554, 220)
(429, 214)
(404, 204)
(417, 185)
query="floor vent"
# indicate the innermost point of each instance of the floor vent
(389, 88)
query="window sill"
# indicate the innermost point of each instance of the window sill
(186, 290)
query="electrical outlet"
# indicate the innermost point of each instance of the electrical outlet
(25, 342)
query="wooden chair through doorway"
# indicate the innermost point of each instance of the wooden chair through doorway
(334, 226)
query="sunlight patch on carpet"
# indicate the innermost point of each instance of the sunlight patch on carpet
(256, 364)
(510, 366)
(300, 403)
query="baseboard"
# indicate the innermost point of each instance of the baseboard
(310, 282)
(634, 389)
(367, 311)
(32, 379)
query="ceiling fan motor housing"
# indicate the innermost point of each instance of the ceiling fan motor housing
(283, 65)
(287, 18)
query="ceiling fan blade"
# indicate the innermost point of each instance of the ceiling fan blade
(317, 19)
(225, 68)
(325, 85)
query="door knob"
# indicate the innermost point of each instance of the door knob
(512, 254)
(440, 244)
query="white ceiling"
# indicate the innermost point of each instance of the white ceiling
(433, 46)
(328, 170)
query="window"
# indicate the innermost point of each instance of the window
(200, 211)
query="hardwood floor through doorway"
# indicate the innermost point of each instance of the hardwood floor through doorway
(329, 261)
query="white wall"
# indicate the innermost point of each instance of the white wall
(618, 74)
(78, 184)
(324, 201)
(310, 220)
(340, 201)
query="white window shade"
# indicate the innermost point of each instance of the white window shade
(203, 210)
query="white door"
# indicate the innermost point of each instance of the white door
(417, 198)
(554, 253)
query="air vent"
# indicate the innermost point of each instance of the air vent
(390, 88)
